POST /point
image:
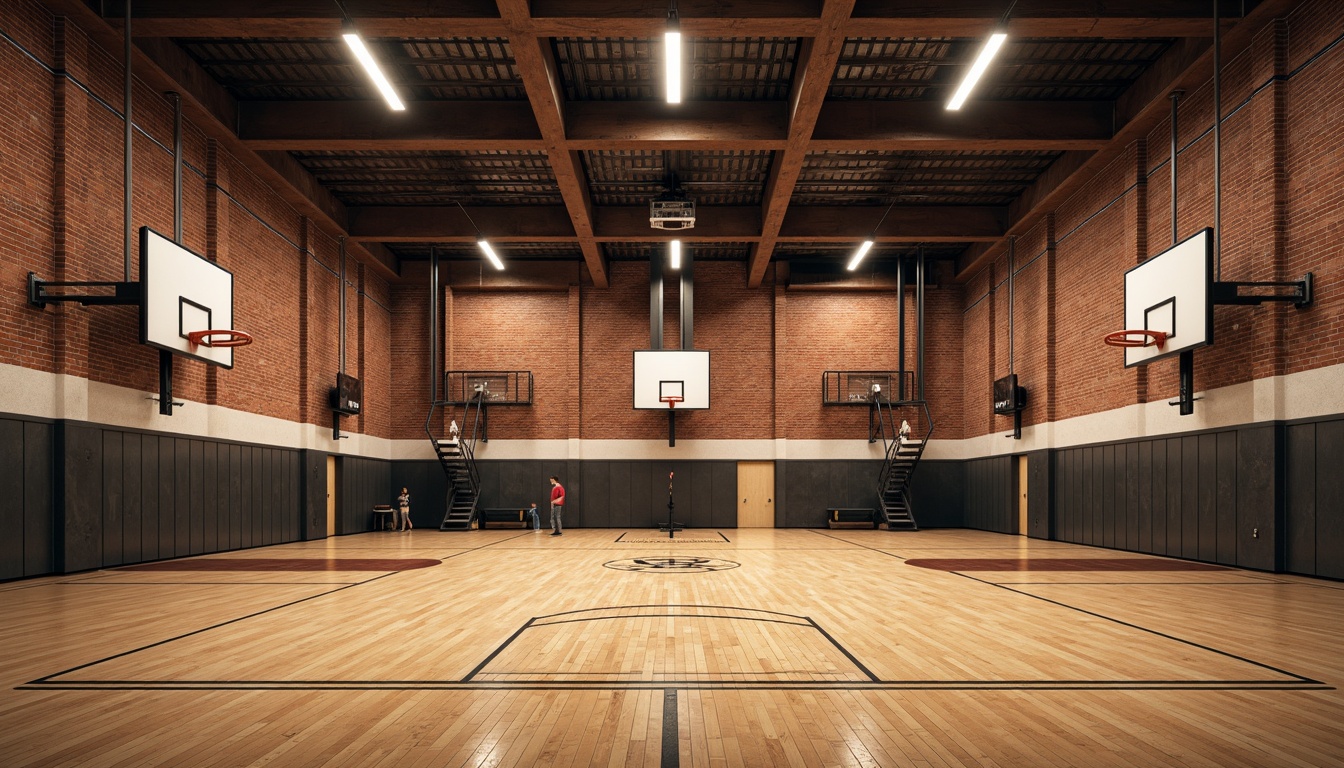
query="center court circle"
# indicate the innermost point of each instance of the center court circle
(671, 564)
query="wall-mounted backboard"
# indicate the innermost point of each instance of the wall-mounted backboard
(1172, 293)
(181, 292)
(668, 372)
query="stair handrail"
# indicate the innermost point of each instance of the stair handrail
(894, 448)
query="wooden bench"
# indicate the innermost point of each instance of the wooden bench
(383, 517)
(504, 517)
(851, 517)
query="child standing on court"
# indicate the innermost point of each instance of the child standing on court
(404, 505)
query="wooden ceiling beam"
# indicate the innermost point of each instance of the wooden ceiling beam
(760, 126)
(715, 224)
(904, 224)
(1187, 65)
(980, 125)
(817, 58)
(704, 18)
(540, 74)
(450, 224)
(368, 125)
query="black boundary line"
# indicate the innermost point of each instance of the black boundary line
(671, 757)
(695, 685)
(219, 583)
(856, 544)
(48, 678)
(1249, 583)
(1183, 641)
(845, 651)
(508, 641)
(618, 538)
(668, 605)
(671, 616)
(536, 621)
(725, 538)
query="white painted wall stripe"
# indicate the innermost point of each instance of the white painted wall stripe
(1305, 395)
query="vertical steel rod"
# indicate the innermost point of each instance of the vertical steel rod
(687, 297)
(433, 324)
(656, 300)
(126, 108)
(1175, 150)
(342, 319)
(177, 166)
(919, 321)
(1217, 146)
(900, 329)
(1012, 253)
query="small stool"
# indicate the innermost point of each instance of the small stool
(382, 517)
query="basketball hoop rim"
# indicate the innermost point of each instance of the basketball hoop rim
(672, 400)
(232, 338)
(1123, 338)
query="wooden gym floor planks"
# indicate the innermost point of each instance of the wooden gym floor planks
(811, 648)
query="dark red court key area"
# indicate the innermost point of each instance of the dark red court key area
(1060, 564)
(284, 564)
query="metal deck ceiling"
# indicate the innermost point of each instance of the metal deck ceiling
(802, 119)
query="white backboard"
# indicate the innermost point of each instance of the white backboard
(181, 292)
(665, 371)
(1172, 293)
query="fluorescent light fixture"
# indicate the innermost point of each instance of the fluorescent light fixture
(490, 253)
(859, 254)
(361, 52)
(992, 46)
(672, 56)
(675, 250)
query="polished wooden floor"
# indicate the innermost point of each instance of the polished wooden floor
(720, 648)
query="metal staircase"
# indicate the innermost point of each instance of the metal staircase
(902, 456)
(457, 458)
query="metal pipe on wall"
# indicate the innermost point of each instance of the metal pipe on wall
(433, 324)
(177, 165)
(900, 329)
(919, 322)
(126, 150)
(342, 320)
(1217, 146)
(1175, 150)
(1012, 252)
(656, 300)
(687, 297)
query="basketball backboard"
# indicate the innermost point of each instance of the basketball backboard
(181, 292)
(669, 372)
(1172, 293)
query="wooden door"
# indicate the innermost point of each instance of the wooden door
(1022, 522)
(755, 494)
(331, 495)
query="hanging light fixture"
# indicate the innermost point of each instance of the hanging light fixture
(991, 47)
(672, 55)
(481, 242)
(674, 249)
(365, 58)
(867, 245)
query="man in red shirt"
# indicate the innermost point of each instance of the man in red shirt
(557, 505)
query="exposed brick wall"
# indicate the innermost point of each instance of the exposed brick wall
(61, 183)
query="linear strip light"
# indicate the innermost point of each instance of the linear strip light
(675, 250)
(490, 253)
(361, 52)
(992, 46)
(672, 55)
(859, 254)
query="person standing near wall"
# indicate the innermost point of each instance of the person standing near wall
(534, 516)
(404, 510)
(557, 505)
